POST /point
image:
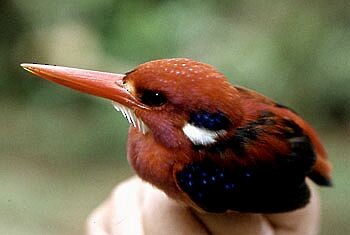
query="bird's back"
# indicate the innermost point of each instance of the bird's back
(253, 102)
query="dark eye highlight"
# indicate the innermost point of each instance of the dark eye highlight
(152, 98)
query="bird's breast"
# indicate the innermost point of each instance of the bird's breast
(154, 162)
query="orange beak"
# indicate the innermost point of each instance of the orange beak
(102, 84)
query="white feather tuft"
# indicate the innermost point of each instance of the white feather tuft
(201, 136)
(130, 115)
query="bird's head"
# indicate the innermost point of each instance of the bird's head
(178, 101)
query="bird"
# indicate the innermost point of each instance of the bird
(208, 144)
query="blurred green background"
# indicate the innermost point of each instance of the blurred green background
(61, 152)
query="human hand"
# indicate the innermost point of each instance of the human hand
(137, 208)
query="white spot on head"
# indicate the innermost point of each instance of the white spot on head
(201, 136)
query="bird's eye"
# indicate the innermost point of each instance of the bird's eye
(152, 98)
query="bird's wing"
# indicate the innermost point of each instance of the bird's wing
(321, 171)
(261, 167)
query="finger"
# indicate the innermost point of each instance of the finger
(162, 215)
(97, 223)
(236, 223)
(120, 214)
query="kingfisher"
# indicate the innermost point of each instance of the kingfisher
(211, 145)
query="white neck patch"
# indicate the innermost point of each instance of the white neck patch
(201, 136)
